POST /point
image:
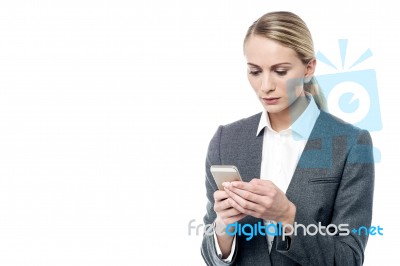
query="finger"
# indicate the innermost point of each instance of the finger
(237, 200)
(222, 205)
(229, 213)
(243, 194)
(256, 186)
(234, 219)
(220, 195)
(244, 210)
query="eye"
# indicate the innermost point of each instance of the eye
(281, 72)
(254, 72)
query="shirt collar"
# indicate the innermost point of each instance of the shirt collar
(303, 124)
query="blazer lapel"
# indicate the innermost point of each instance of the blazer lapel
(252, 167)
(313, 160)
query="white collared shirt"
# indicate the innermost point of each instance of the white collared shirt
(281, 152)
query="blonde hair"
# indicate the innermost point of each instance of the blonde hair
(291, 31)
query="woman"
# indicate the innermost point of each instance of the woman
(299, 164)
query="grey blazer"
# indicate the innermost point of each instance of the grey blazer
(333, 184)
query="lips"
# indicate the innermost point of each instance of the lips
(271, 100)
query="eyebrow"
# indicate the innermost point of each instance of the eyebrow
(273, 66)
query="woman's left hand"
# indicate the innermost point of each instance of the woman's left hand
(261, 199)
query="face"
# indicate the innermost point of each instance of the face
(276, 73)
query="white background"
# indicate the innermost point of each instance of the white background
(107, 108)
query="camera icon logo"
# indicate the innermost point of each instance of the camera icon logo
(353, 95)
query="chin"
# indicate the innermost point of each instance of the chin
(274, 109)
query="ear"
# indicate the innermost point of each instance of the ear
(309, 71)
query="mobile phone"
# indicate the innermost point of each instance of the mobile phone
(224, 173)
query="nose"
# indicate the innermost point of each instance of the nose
(267, 83)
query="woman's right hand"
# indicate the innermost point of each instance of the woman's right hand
(226, 214)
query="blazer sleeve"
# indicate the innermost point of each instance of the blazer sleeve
(353, 206)
(208, 250)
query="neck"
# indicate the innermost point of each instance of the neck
(284, 119)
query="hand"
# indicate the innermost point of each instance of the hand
(226, 213)
(260, 199)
